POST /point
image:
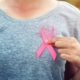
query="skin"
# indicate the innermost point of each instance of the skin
(68, 47)
(27, 9)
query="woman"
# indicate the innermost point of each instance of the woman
(20, 24)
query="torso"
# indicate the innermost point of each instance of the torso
(19, 40)
(33, 13)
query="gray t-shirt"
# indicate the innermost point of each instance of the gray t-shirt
(19, 40)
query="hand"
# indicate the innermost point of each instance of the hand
(77, 76)
(69, 49)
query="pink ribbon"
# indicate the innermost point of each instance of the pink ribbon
(46, 35)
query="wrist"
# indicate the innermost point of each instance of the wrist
(77, 76)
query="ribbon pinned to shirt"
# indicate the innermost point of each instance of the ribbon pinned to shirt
(46, 35)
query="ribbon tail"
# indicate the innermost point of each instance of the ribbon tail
(52, 52)
(40, 50)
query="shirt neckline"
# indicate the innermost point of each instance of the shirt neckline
(42, 17)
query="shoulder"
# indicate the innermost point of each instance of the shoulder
(69, 16)
(69, 13)
(69, 6)
(69, 10)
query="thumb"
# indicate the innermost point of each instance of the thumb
(52, 41)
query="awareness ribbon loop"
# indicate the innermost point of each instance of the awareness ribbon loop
(46, 35)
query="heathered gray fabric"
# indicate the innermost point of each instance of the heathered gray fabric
(20, 39)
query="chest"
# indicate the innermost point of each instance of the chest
(19, 45)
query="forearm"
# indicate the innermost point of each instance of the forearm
(72, 71)
(77, 76)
